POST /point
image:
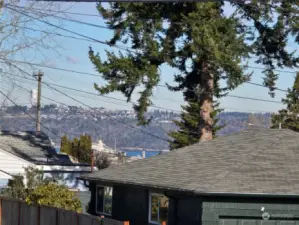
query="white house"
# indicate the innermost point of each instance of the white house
(22, 149)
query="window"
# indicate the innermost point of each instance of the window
(158, 208)
(104, 200)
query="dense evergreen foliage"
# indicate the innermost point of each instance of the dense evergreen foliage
(78, 148)
(289, 117)
(187, 133)
(201, 43)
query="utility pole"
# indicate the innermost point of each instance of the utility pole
(38, 105)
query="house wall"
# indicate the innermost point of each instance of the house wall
(128, 204)
(237, 210)
(131, 204)
(184, 210)
(11, 163)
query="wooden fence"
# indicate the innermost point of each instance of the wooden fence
(15, 212)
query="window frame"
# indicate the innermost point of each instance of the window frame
(150, 194)
(103, 201)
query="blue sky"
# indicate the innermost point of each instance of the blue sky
(74, 56)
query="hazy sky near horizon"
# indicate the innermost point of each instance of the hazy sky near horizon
(74, 56)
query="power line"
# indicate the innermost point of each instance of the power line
(154, 106)
(97, 15)
(24, 111)
(88, 106)
(69, 31)
(116, 46)
(50, 99)
(53, 33)
(60, 17)
(91, 93)
(95, 75)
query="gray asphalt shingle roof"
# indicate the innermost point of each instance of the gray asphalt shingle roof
(31, 147)
(254, 161)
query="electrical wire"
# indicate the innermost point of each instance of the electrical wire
(154, 106)
(115, 46)
(88, 106)
(95, 75)
(90, 93)
(53, 100)
(24, 111)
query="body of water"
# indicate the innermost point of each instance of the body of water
(139, 153)
(133, 153)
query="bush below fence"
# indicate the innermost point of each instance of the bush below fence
(15, 212)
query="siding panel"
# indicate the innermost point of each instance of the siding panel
(12, 164)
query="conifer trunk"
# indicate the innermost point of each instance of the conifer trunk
(206, 105)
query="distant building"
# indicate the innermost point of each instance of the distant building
(101, 147)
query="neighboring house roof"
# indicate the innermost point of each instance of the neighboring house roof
(32, 147)
(255, 161)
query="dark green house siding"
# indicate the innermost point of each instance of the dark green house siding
(128, 204)
(249, 211)
(131, 204)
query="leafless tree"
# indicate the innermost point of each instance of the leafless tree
(23, 37)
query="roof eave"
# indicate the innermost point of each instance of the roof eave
(194, 192)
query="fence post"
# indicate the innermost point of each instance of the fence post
(38, 215)
(19, 213)
(126, 223)
(0, 211)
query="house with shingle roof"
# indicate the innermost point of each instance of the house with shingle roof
(22, 149)
(250, 177)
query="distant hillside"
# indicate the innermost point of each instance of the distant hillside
(75, 121)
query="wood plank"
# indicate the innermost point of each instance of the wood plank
(85, 219)
(107, 221)
(47, 215)
(66, 217)
(0, 211)
(28, 214)
(10, 212)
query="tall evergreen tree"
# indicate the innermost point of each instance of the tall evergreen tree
(202, 43)
(289, 117)
(65, 145)
(78, 148)
(188, 133)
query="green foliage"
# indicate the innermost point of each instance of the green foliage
(209, 41)
(199, 35)
(54, 195)
(41, 191)
(16, 188)
(289, 117)
(188, 132)
(65, 145)
(78, 148)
